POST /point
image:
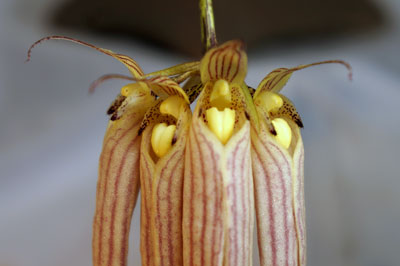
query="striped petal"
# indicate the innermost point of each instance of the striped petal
(240, 200)
(227, 61)
(218, 197)
(279, 198)
(118, 185)
(162, 192)
(146, 237)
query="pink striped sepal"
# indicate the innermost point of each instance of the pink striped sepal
(279, 198)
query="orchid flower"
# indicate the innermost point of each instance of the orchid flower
(204, 178)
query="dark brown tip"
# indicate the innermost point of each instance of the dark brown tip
(111, 110)
(55, 37)
(247, 115)
(140, 131)
(251, 90)
(116, 104)
(299, 123)
(272, 131)
(114, 116)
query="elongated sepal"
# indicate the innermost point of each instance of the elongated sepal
(279, 199)
(147, 169)
(167, 204)
(162, 192)
(218, 197)
(238, 183)
(118, 186)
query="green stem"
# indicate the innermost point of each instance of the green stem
(208, 36)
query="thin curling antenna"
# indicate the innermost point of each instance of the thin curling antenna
(131, 64)
(344, 63)
(273, 81)
(106, 77)
(59, 37)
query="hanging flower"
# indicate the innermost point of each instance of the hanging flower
(202, 177)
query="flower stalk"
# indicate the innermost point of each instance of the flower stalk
(208, 34)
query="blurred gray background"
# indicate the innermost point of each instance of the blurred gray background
(51, 133)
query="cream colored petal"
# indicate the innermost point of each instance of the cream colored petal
(167, 204)
(279, 202)
(298, 197)
(218, 198)
(118, 186)
(203, 201)
(147, 168)
(162, 192)
(238, 182)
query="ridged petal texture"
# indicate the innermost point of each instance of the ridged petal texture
(227, 61)
(162, 192)
(279, 198)
(218, 197)
(118, 185)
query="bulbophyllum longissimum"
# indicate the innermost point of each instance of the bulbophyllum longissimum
(205, 178)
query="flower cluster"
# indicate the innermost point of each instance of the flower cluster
(206, 176)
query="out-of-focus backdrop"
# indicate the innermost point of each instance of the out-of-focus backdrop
(51, 129)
